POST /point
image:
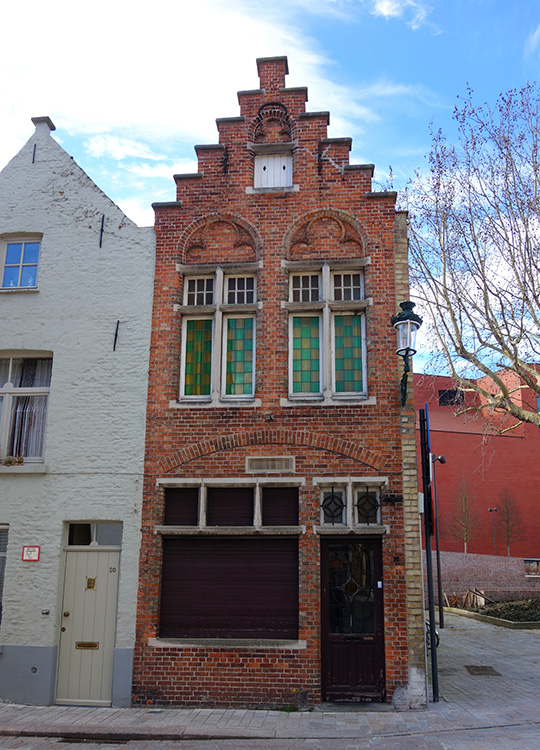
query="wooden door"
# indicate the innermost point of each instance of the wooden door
(352, 620)
(88, 630)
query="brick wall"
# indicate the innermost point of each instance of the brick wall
(501, 578)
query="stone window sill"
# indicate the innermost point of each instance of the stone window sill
(226, 643)
(25, 469)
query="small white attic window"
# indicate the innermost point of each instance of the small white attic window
(273, 170)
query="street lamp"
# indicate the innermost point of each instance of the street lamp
(406, 324)
(493, 511)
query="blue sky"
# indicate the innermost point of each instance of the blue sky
(133, 86)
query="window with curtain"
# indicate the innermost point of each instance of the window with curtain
(24, 394)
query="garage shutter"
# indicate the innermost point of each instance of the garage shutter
(229, 588)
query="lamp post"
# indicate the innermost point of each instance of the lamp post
(493, 511)
(406, 324)
(441, 460)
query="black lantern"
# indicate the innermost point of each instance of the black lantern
(406, 324)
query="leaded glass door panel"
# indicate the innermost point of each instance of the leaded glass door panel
(352, 621)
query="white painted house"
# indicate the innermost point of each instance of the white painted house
(76, 278)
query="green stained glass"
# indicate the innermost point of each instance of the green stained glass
(348, 353)
(239, 372)
(306, 357)
(198, 364)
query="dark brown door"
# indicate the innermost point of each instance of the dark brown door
(352, 620)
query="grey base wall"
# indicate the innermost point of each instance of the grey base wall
(122, 677)
(27, 674)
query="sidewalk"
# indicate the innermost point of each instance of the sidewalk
(506, 698)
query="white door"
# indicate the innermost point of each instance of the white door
(85, 660)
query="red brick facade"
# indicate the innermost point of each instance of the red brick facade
(329, 215)
(490, 462)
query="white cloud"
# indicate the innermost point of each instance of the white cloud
(138, 211)
(118, 148)
(415, 10)
(532, 42)
(136, 87)
(163, 169)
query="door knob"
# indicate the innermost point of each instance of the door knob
(66, 614)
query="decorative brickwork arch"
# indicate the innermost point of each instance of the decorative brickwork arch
(326, 233)
(334, 445)
(272, 124)
(219, 237)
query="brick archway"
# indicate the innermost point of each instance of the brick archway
(301, 226)
(346, 448)
(194, 234)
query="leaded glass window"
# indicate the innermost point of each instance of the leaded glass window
(218, 347)
(333, 507)
(348, 353)
(198, 357)
(368, 506)
(240, 356)
(306, 354)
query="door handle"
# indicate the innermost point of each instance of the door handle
(66, 614)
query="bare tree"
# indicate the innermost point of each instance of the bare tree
(463, 522)
(475, 250)
(509, 519)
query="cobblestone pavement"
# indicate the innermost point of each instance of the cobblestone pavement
(498, 711)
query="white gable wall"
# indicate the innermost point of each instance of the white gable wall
(94, 449)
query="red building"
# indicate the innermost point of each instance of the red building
(488, 463)
(280, 562)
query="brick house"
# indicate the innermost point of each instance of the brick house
(280, 560)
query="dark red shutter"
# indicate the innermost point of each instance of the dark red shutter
(181, 506)
(229, 506)
(280, 506)
(229, 588)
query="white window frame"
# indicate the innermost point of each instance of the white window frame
(292, 276)
(345, 513)
(359, 489)
(235, 396)
(327, 308)
(351, 487)
(219, 312)
(313, 394)
(197, 397)
(15, 240)
(205, 292)
(8, 393)
(333, 351)
(350, 273)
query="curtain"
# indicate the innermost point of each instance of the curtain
(27, 432)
